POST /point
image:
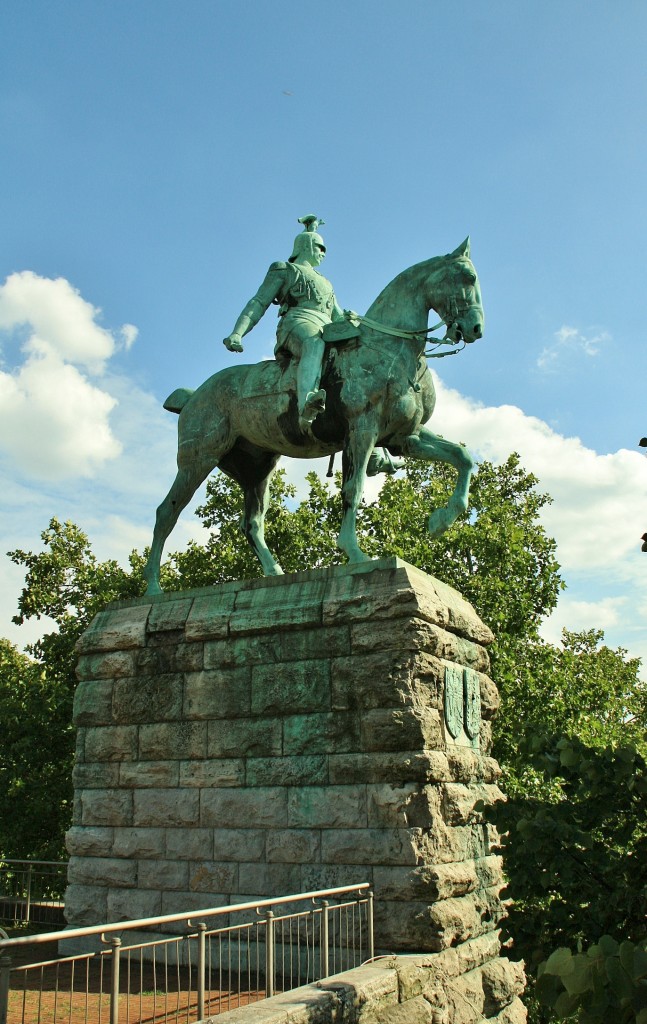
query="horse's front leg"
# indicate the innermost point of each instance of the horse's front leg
(359, 445)
(427, 445)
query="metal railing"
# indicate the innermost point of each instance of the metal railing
(31, 891)
(246, 952)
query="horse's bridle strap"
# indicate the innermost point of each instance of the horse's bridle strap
(395, 332)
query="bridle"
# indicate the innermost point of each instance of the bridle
(453, 312)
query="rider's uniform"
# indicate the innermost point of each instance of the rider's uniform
(306, 304)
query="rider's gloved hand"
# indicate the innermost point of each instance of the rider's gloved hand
(233, 343)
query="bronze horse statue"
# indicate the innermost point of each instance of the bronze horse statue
(379, 392)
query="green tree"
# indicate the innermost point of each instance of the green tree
(66, 583)
(35, 758)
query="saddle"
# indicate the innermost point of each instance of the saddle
(339, 331)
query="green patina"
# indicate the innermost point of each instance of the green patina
(339, 382)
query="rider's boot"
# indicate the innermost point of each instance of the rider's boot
(314, 404)
(383, 463)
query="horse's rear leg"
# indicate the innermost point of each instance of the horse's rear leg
(432, 448)
(254, 476)
(188, 479)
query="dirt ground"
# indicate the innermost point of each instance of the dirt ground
(149, 994)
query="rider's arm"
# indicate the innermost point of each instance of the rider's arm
(256, 307)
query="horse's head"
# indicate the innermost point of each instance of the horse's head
(458, 296)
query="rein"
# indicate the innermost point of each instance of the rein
(423, 336)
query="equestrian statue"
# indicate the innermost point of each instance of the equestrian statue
(339, 382)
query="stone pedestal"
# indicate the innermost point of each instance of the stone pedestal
(282, 735)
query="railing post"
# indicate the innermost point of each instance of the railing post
(28, 895)
(5, 967)
(202, 964)
(371, 938)
(115, 943)
(269, 954)
(325, 938)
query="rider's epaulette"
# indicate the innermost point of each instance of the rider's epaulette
(279, 265)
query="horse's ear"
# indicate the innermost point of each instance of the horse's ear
(463, 249)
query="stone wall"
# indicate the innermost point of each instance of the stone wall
(436, 989)
(289, 734)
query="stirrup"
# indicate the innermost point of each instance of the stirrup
(314, 404)
(383, 463)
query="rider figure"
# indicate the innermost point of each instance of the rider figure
(306, 303)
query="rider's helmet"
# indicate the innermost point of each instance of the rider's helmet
(304, 243)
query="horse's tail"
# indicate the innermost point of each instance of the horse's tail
(177, 401)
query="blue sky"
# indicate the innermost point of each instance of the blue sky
(156, 156)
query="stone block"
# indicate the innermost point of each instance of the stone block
(106, 807)
(475, 952)
(287, 771)
(168, 615)
(414, 1011)
(209, 616)
(453, 921)
(245, 737)
(277, 604)
(409, 765)
(162, 656)
(133, 904)
(318, 642)
(189, 843)
(315, 877)
(139, 842)
(163, 874)
(327, 807)
(89, 842)
(178, 902)
(243, 651)
(149, 774)
(436, 881)
(271, 879)
(372, 680)
(102, 871)
(514, 1013)
(93, 702)
(213, 876)
(265, 807)
(159, 808)
(96, 775)
(167, 741)
(384, 729)
(370, 846)
(139, 700)
(296, 688)
(293, 846)
(116, 629)
(108, 665)
(218, 693)
(206, 774)
(111, 743)
(324, 733)
(387, 803)
(405, 926)
(459, 801)
(86, 905)
(417, 635)
(402, 884)
(502, 981)
(239, 844)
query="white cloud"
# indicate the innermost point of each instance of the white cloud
(57, 316)
(597, 517)
(571, 341)
(54, 420)
(599, 510)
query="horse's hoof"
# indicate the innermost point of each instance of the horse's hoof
(152, 589)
